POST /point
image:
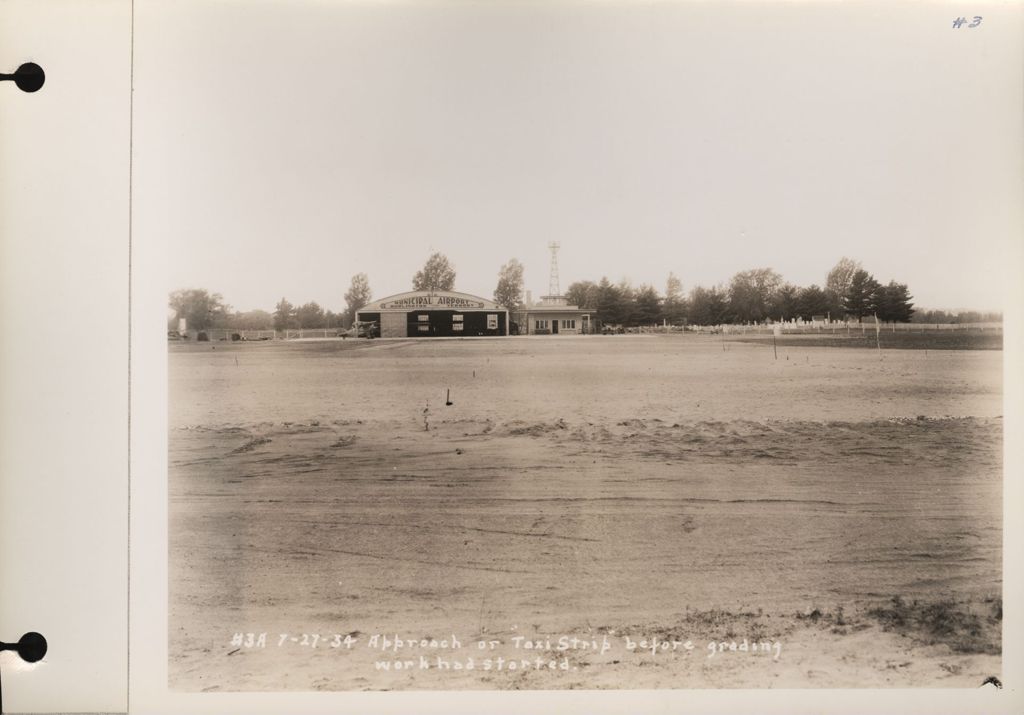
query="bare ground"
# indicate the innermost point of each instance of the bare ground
(837, 514)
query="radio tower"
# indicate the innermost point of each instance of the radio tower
(553, 289)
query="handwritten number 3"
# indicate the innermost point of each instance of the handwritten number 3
(977, 21)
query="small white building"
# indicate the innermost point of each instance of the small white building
(553, 316)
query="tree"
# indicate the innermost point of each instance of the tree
(357, 296)
(284, 315)
(310, 315)
(784, 303)
(859, 299)
(751, 294)
(583, 294)
(837, 284)
(627, 303)
(892, 303)
(509, 292)
(674, 305)
(200, 308)
(648, 306)
(437, 274)
(609, 303)
(944, 316)
(812, 301)
(708, 306)
(251, 320)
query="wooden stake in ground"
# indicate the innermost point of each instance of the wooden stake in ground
(776, 331)
(878, 336)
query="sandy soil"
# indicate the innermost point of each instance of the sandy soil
(609, 489)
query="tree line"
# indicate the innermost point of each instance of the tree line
(751, 296)
(203, 310)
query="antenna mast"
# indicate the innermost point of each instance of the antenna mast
(553, 288)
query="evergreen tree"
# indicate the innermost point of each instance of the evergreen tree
(627, 303)
(893, 303)
(609, 303)
(784, 304)
(648, 306)
(284, 315)
(861, 295)
(812, 301)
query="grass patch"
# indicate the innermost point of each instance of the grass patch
(925, 340)
(963, 629)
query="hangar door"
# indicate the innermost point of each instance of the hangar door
(392, 325)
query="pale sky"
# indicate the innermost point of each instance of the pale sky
(282, 147)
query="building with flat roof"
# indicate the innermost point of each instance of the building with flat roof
(425, 314)
(553, 316)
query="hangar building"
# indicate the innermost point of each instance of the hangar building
(435, 314)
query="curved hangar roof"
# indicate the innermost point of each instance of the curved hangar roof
(427, 300)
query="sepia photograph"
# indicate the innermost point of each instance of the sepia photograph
(580, 346)
(511, 356)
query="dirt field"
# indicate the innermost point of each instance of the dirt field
(829, 519)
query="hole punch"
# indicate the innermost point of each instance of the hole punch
(28, 78)
(30, 648)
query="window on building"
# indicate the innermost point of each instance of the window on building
(457, 327)
(423, 317)
(456, 318)
(423, 328)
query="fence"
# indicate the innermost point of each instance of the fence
(292, 334)
(300, 333)
(836, 328)
(227, 334)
